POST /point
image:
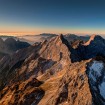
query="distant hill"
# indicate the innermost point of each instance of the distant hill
(36, 38)
(4, 37)
(10, 45)
(73, 37)
(46, 36)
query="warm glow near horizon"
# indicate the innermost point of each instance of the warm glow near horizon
(51, 30)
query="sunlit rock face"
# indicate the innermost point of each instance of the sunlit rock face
(96, 76)
(54, 72)
(58, 80)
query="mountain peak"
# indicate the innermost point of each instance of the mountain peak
(64, 41)
(93, 38)
(98, 37)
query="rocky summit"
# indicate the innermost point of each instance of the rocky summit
(55, 72)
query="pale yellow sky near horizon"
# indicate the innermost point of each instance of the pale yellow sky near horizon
(23, 34)
(17, 31)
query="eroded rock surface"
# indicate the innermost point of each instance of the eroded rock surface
(54, 72)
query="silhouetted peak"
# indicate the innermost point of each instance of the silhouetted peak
(1, 40)
(64, 41)
(9, 40)
(61, 36)
(97, 37)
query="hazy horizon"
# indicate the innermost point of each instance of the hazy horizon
(22, 35)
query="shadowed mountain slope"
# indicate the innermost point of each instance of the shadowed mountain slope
(10, 45)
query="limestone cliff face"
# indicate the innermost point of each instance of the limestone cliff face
(49, 73)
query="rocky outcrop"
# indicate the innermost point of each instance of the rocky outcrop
(53, 72)
(22, 94)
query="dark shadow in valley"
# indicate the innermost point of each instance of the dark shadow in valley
(33, 98)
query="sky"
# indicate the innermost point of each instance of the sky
(30, 17)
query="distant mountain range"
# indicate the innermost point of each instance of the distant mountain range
(10, 45)
(65, 70)
(46, 36)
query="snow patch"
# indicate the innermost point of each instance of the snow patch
(102, 89)
(96, 70)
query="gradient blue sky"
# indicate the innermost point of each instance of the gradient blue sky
(52, 16)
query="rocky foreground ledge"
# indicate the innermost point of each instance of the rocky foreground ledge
(55, 72)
